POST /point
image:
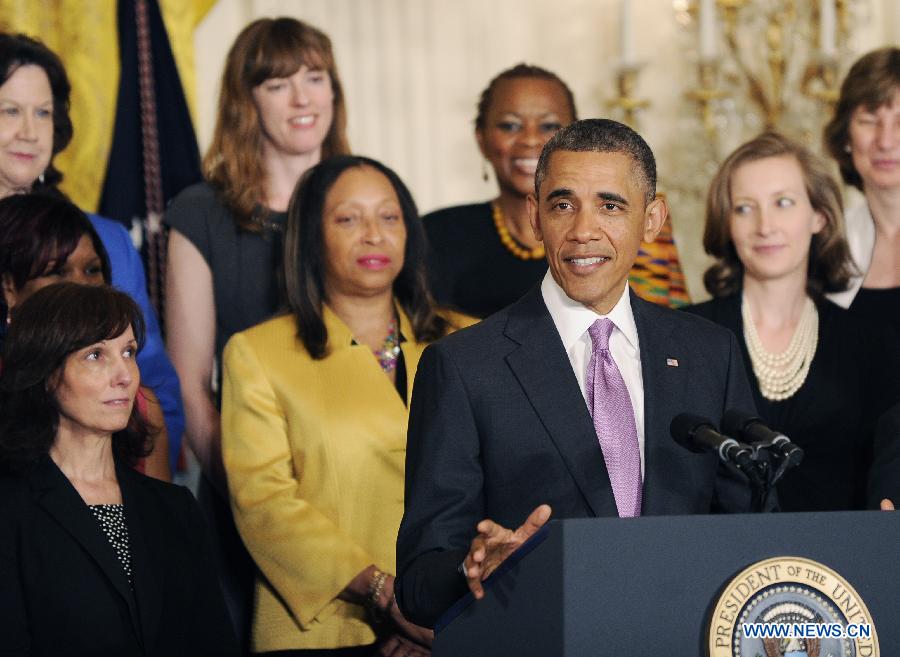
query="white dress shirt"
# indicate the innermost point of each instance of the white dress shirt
(572, 321)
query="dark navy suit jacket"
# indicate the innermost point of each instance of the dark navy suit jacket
(498, 426)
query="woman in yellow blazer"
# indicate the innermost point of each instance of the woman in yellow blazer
(314, 414)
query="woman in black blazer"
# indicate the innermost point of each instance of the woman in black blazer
(95, 558)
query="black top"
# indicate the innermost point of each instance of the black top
(243, 264)
(853, 379)
(469, 267)
(880, 305)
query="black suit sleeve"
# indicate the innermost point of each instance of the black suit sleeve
(443, 492)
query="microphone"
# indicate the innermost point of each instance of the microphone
(753, 429)
(698, 434)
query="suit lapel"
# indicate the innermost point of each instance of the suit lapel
(56, 495)
(664, 368)
(542, 368)
(141, 515)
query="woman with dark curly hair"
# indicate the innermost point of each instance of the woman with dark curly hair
(820, 376)
(96, 558)
(314, 415)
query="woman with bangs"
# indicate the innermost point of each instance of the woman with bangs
(281, 110)
(864, 138)
(819, 375)
(45, 240)
(97, 559)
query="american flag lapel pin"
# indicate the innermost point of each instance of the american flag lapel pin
(672, 362)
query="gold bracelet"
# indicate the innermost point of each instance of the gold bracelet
(376, 588)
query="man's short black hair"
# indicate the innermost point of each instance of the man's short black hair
(600, 136)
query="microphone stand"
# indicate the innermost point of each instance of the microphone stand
(761, 483)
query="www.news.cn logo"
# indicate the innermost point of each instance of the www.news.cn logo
(806, 630)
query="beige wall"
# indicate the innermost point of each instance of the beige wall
(413, 69)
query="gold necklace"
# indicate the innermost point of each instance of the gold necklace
(509, 241)
(781, 375)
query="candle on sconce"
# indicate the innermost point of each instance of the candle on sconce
(827, 28)
(707, 29)
(626, 34)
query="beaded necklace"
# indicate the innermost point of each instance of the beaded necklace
(390, 350)
(781, 375)
(509, 241)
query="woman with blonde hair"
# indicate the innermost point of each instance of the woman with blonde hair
(821, 376)
(281, 110)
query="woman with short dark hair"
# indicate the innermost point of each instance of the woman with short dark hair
(484, 256)
(98, 559)
(314, 415)
(819, 375)
(863, 137)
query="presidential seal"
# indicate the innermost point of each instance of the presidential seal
(791, 607)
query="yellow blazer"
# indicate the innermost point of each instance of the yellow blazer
(314, 451)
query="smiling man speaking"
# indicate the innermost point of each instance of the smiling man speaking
(561, 403)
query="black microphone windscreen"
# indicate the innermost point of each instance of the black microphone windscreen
(734, 421)
(684, 426)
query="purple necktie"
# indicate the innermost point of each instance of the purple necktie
(613, 416)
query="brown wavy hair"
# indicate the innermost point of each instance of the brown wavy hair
(267, 48)
(51, 324)
(830, 266)
(871, 82)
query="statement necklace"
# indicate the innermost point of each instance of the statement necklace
(781, 375)
(390, 350)
(509, 241)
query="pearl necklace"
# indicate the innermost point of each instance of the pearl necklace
(509, 241)
(781, 375)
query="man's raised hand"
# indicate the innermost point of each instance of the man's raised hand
(494, 544)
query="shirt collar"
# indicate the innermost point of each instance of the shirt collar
(572, 319)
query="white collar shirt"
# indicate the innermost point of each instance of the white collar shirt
(572, 321)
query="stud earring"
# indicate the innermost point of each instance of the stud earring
(847, 148)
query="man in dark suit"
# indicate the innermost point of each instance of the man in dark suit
(563, 400)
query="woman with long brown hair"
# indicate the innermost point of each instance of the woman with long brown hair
(281, 109)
